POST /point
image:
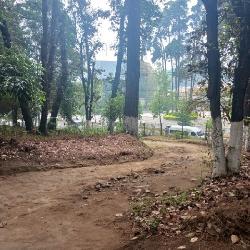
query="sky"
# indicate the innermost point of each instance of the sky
(108, 37)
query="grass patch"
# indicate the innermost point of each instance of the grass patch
(175, 200)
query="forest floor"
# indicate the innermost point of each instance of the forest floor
(46, 153)
(102, 206)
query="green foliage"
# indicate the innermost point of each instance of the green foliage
(114, 108)
(209, 124)
(119, 127)
(20, 76)
(175, 200)
(72, 103)
(153, 224)
(184, 115)
(143, 206)
(171, 117)
(162, 100)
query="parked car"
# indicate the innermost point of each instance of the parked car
(187, 130)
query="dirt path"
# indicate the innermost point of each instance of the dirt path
(62, 209)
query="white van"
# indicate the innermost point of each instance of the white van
(188, 130)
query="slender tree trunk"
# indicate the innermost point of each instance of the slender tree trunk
(191, 87)
(172, 82)
(63, 81)
(14, 113)
(88, 94)
(186, 94)
(44, 59)
(5, 34)
(242, 76)
(247, 116)
(160, 124)
(178, 78)
(24, 105)
(133, 68)
(85, 84)
(92, 79)
(120, 55)
(214, 85)
(48, 59)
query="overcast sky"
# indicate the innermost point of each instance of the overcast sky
(107, 36)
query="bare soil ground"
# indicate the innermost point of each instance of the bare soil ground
(90, 208)
(73, 209)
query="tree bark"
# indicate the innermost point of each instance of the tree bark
(248, 138)
(44, 59)
(241, 79)
(24, 105)
(214, 87)
(160, 120)
(5, 34)
(133, 69)
(62, 83)
(120, 55)
(14, 113)
(247, 117)
(48, 58)
(172, 83)
(191, 86)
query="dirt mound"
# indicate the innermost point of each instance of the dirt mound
(224, 221)
(43, 154)
(216, 210)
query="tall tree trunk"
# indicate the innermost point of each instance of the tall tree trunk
(160, 120)
(120, 55)
(186, 94)
(44, 59)
(5, 34)
(191, 86)
(178, 78)
(247, 116)
(48, 58)
(241, 78)
(92, 79)
(133, 68)
(84, 83)
(62, 83)
(176, 84)
(172, 83)
(214, 87)
(14, 113)
(24, 104)
(89, 80)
